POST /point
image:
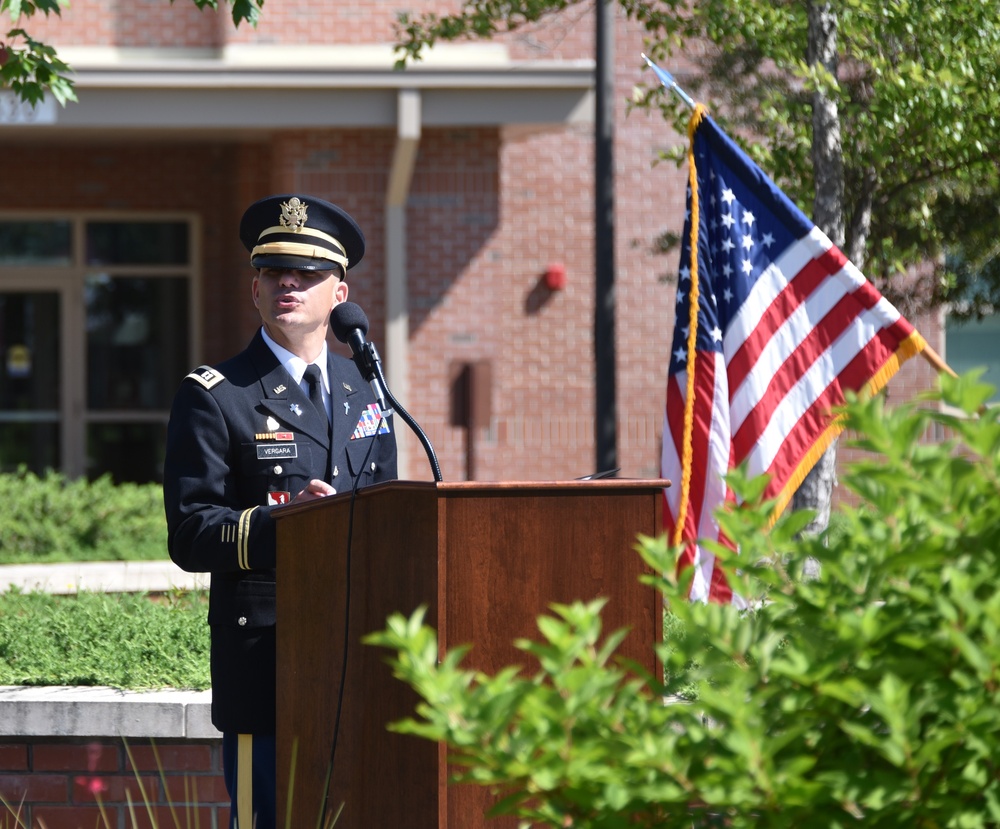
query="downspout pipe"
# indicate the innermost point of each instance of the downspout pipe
(404, 156)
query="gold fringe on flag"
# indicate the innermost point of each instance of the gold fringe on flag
(686, 448)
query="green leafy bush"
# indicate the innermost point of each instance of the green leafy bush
(52, 518)
(124, 640)
(869, 695)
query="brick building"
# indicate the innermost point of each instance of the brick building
(471, 173)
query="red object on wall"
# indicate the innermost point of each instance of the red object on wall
(555, 276)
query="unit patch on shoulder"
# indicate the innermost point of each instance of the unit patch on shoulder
(207, 376)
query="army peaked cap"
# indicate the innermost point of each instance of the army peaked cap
(301, 232)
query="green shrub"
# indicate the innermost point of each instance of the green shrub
(868, 696)
(122, 640)
(52, 518)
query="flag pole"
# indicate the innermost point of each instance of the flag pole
(936, 360)
(669, 82)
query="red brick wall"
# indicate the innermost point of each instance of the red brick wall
(52, 783)
(136, 23)
(159, 23)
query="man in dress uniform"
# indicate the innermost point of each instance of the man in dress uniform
(284, 421)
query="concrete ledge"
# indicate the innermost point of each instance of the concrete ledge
(101, 577)
(59, 711)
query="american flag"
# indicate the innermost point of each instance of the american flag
(773, 325)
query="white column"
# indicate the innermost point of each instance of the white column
(396, 299)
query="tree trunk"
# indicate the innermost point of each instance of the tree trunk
(861, 220)
(827, 152)
(816, 491)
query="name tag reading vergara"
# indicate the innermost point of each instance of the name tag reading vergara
(272, 452)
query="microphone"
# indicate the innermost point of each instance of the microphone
(350, 325)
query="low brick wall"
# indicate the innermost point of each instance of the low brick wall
(76, 758)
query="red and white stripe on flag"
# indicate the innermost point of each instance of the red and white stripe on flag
(777, 325)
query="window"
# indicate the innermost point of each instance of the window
(95, 331)
(35, 243)
(30, 387)
(971, 344)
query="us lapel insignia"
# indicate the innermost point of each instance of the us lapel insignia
(347, 388)
(280, 389)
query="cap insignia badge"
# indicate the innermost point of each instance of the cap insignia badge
(293, 214)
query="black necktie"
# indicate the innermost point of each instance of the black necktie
(314, 378)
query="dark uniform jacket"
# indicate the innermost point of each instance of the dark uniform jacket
(244, 437)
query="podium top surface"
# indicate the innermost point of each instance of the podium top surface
(461, 488)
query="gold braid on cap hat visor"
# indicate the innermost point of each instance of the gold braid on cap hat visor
(302, 248)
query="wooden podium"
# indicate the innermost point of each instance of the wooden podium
(486, 560)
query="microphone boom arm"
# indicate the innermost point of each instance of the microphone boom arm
(397, 409)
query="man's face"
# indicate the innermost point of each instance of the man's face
(294, 302)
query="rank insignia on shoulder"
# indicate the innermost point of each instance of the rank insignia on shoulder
(206, 376)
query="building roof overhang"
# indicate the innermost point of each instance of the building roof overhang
(258, 89)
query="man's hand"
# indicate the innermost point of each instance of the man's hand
(314, 489)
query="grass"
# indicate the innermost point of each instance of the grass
(127, 641)
(121, 640)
